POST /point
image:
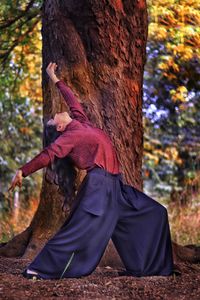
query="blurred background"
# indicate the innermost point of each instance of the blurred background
(171, 106)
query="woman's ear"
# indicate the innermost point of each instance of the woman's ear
(60, 127)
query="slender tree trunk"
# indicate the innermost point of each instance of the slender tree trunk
(99, 47)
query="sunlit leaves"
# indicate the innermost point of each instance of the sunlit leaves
(20, 81)
(171, 90)
(180, 94)
(31, 84)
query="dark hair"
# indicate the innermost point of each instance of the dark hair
(62, 171)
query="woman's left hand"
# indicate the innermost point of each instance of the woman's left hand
(51, 71)
(16, 181)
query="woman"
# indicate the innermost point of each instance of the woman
(104, 207)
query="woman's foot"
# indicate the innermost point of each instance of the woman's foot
(29, 274)
(31, 271)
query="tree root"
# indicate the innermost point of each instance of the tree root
(17, 245)
(188, 253)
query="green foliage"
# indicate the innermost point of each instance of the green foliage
(20, 90)
(171, 95)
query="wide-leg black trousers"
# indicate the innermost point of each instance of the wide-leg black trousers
(107, 208)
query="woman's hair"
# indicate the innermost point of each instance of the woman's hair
(62, 171)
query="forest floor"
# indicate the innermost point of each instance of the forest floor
(103, 283)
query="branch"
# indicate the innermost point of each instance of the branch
(16, 42)
(29, 17)
(23, 13)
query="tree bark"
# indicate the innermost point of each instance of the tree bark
(100, 49)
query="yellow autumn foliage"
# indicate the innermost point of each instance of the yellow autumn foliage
(31, 86)
(147, 146)
(157, 31)
(26, 130)
(180, 94)
(160, 153)
(179, 22)
(184, 52)
(152, 157)
(172, 153)
(169, 64)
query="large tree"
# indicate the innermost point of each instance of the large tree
(100, 48)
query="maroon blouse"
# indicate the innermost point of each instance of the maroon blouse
(87, 145)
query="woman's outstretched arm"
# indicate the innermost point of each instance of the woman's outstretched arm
(59, 148)
(69, 97)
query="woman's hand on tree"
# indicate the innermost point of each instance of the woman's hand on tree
(16, 181)
(51, 71)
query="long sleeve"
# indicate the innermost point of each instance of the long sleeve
(73, 103)
(59, 148)
(38, 162)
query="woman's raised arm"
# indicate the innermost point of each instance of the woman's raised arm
(69, 97)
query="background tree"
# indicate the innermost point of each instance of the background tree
(171, 99)
(20, 104)
(20, 92)
(100, 49)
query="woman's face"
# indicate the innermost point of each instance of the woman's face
(59, 119)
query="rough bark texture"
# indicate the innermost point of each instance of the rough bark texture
(99, 47)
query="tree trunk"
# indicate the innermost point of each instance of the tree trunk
(100, 49)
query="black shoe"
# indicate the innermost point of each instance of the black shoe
(176, 271)
(31, 276)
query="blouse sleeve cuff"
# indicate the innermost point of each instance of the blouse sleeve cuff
(59, 82)
(23, 171)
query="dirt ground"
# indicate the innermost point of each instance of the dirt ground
(103, 283)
